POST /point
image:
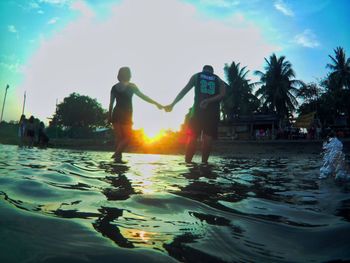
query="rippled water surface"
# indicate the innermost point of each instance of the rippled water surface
(78, 206)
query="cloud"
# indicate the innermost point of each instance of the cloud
(53, 20)
(34, 5)
(12, 29)
(55, 2)
(10, 63)
(83, 8)
(283, 8)
(16, 67)
(307, 39)
(220, 3)
(164, 43)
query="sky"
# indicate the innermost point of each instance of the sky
(52, 48)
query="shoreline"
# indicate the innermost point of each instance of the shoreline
(264, 148)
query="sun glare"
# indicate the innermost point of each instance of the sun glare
(150, 137)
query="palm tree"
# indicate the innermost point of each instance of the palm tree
(239, 98)
(278, 86)
(340, 75)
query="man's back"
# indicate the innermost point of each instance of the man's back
(206, 85)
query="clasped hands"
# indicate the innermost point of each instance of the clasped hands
(169, 108)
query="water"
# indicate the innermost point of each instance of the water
(77, 206)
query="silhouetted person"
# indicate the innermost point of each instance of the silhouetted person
(22, 130)
(43, 139)
(30, 131)
(121, 115)
(205, 112)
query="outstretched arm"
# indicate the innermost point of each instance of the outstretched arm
(111, 102)
(222, 92)
(182, 93)
(146, 98)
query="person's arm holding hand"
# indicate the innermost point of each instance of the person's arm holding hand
(181, 94)
(146, 98)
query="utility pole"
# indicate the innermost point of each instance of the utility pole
(56, 115)
(3, 105)
(24, 101)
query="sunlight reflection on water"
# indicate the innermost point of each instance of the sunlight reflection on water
(240, 209)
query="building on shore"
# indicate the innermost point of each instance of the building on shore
(250, 127)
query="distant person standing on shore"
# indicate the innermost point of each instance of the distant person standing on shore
(22, 130)
(121, 115)
(43, 139)
(30, 131)
(205, 112)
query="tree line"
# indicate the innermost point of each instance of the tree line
(277, 92)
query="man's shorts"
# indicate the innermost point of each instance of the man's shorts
(208, 123)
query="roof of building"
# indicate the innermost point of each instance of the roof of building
(255, 119)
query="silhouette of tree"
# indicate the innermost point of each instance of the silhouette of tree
(239, 99)
(339, 77)
(80, 111)
(309, 92)
(329, 104)
(335, 100)
(278, 86)
(323, 108)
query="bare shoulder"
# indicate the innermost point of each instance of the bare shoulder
(116, 87)
(193, 79)
(133, 86)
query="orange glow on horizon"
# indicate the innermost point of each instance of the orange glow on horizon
(147, 138)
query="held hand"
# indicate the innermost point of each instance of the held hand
(203, 104)
(168, 108)
(159, 106)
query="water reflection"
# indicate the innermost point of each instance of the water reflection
(120, 186)
(104, 224)
(234, 211)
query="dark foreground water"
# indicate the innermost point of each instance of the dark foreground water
(77, 206)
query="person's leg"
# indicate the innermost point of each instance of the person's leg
(206, 147)
(190, 148)
(210, 132)
(27, 139)
(125, 134)
(46, 140)
(117, 136)
(121, 147)
(31, 141)
(21, 140)
(192, 133)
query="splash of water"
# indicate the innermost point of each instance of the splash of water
(334, 161)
